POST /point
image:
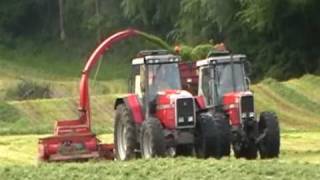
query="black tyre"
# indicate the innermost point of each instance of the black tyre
(125, 138)
(184, 150)
(152, 143)
(246, 150)
(224, 127)
(212, 136)
(244, 142)
(269, 146)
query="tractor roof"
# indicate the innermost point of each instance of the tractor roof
(156, 59)
(221, 59)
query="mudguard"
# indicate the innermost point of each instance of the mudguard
(200, 102)
(133, 104)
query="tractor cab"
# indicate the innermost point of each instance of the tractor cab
(156, 80)
(220, 76)
(154, 71)
(224, 85)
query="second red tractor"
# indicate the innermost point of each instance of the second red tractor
(224, 84)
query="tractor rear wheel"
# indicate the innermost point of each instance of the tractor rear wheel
(152, 143)
(269, 146)
(212, 136)
(125, 138)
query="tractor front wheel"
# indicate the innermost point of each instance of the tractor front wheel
(212, 136)
(125, 138)
(245, 150)
(244, 142)
(152, 139)
(269, 146)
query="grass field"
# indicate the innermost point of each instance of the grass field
(300, 157)
(296, 102)
(167, 169)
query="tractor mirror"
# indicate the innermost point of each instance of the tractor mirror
(247, 67)
(248, 81)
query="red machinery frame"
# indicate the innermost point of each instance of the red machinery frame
(73, 139)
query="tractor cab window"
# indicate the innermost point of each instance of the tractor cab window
(206, 85)
(134, 84)
(229, 77)
(163, 77)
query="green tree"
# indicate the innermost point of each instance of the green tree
(157, 16)
(61, 21)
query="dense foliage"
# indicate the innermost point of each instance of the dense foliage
(281, 37)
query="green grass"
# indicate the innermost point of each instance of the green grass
(17, 149)
(62, 74)
(166, 169)
(39, 68)
(296, 102)
(56, 61)
(294, 96)
(66, 89)
(38, 116)
(300, 158)
(302, 147)
(309, 85)
(52, 60)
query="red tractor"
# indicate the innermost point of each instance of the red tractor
(158, 118)
(225, 87)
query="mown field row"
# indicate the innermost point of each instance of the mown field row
(296, 102)
(295, 146)
(300, 157)
(167, 169)
(38, 116)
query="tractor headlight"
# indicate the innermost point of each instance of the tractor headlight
(190, 119)
(173, 59)
(251, 114)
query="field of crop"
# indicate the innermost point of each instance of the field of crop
(300, 158)
(296, 102)
(167, 169)
(22, 122)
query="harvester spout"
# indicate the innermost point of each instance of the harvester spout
(84, 103)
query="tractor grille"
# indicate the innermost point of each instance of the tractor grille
(247, 105)
(185, 112)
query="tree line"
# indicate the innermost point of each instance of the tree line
(280, 37)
